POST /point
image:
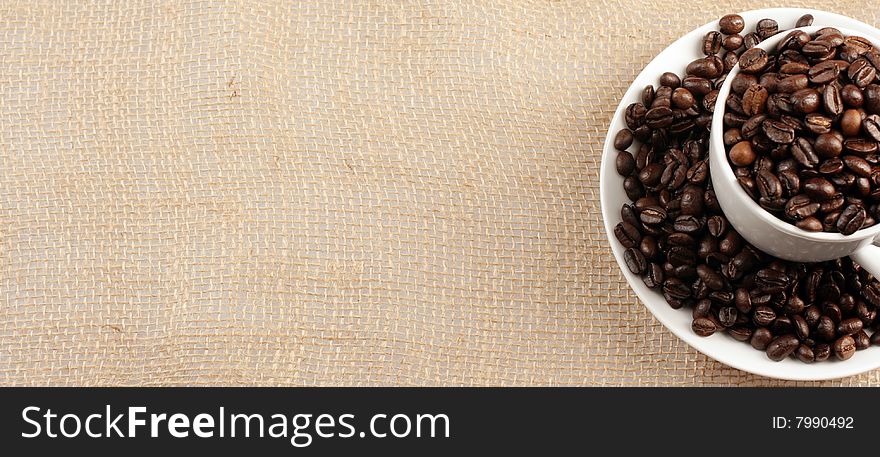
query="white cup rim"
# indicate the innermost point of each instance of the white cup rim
(717, 147)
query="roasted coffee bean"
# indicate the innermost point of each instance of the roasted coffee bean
(862, 340)
(804, 101)
(761, 338)
(849, 326)
(703, 326)
(717, 226)
(768, 185)
(851, 219)
(754, 100)
(844, 347)
(831, 166)
(753, 60)
(805, 354)
(800, 207)
(802, 151)
(743, 301)
(766, 28)
(634, 189)
(778, 131)
(822, 352)
(623, 139)
(801, 328)
(688, 224)
(852, 96)
(782, 347)
(712, 43)
(818, 123)
(823, 72)
(827, 146)
(805, 21)
(871, 126)
(635, 261)
(858, 165)
(832, 101)
(649, 248)
(628, 235)
(825, 328)
(625, 163)
(817, 48)
(763, 316)
(653, 215)
(819, 189)
(793, 83)
(742, 154)
(851, 122)
(810, 224)
(862, 147)
(750, 40)
(659, 117)
(740, 332)
(727, 316)
(732, 42)
(812, 314)
(654, 276)
(731, 24)
(861, 72)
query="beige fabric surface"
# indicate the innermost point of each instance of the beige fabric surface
(325, 193)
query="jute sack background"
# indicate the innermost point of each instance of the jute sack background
(325, 193)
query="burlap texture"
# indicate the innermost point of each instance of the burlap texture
(325, 193)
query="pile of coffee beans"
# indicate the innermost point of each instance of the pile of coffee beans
(802, 126)
(678, 240)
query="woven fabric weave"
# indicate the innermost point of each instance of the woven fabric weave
(326, 193)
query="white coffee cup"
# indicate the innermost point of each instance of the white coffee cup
(764, 230)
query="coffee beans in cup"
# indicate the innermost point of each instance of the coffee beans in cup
(802, 128)
(675, 235)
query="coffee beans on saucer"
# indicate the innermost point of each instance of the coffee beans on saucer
(802, 127)
(676, 237)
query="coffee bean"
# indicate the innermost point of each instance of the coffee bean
(805, 101)
(817, 48)
(778, 131)
(818, 123)
(851, 122)
(750, 40)
(802, 151)
(832, 101)
(861, 72)
(706, 67)
(763, 316)
(712, 43)
(658, 117)
(732, 42)
(844, 347)
(703, 326)
(731, 24)
(862, 147)
(766, 28)
(825, 328)
(851, 219)
(828, 145)
(849, 326)
(688, 224)
(819, 189)
(871, 126)
(822, 352)
(653, 215)
(768, 185)
(782, 346)
(805, 21)
(761, 338)
(623, 139)
(858, 165)
(635, 261)
(625, 163)
(862, 340)
(628, 235)
(800, 207)
(633, 188)
(805, 354)
(742, 154)
(791, 84)
(753, 61)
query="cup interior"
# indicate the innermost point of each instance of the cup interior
(718, 149)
